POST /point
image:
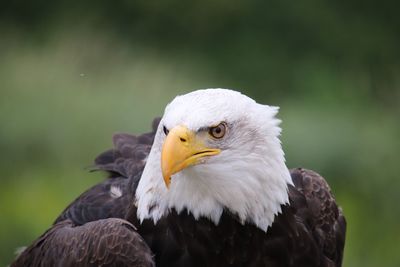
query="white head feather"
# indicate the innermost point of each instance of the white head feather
(249, 177)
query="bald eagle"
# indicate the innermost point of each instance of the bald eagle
(207, 187)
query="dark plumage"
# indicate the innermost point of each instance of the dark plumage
(309, 232)
(106, 242)
(124, 164)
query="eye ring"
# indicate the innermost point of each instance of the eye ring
(218, 131)
(166, 131)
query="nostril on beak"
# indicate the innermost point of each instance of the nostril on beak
(182, 139)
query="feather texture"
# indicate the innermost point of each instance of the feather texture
(106, 242)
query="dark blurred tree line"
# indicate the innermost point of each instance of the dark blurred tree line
(265, 46)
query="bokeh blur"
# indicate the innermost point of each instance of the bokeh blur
(73, 73)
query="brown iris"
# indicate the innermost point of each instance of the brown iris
(218, 131)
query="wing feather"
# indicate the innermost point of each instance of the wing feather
(108, 242)
(126, 160)
(316, 208)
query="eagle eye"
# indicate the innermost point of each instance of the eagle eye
(166, 131)
(218, 131)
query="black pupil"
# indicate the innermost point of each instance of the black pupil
(217, 130)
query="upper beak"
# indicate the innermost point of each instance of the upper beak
(181, 149)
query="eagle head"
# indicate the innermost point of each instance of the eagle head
(215, 150)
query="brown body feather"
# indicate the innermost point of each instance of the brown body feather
(106, 242)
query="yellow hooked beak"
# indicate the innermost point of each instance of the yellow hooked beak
(181, 149)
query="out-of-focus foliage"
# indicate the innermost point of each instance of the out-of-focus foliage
(72, 74)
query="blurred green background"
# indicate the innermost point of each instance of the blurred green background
(72, 74)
